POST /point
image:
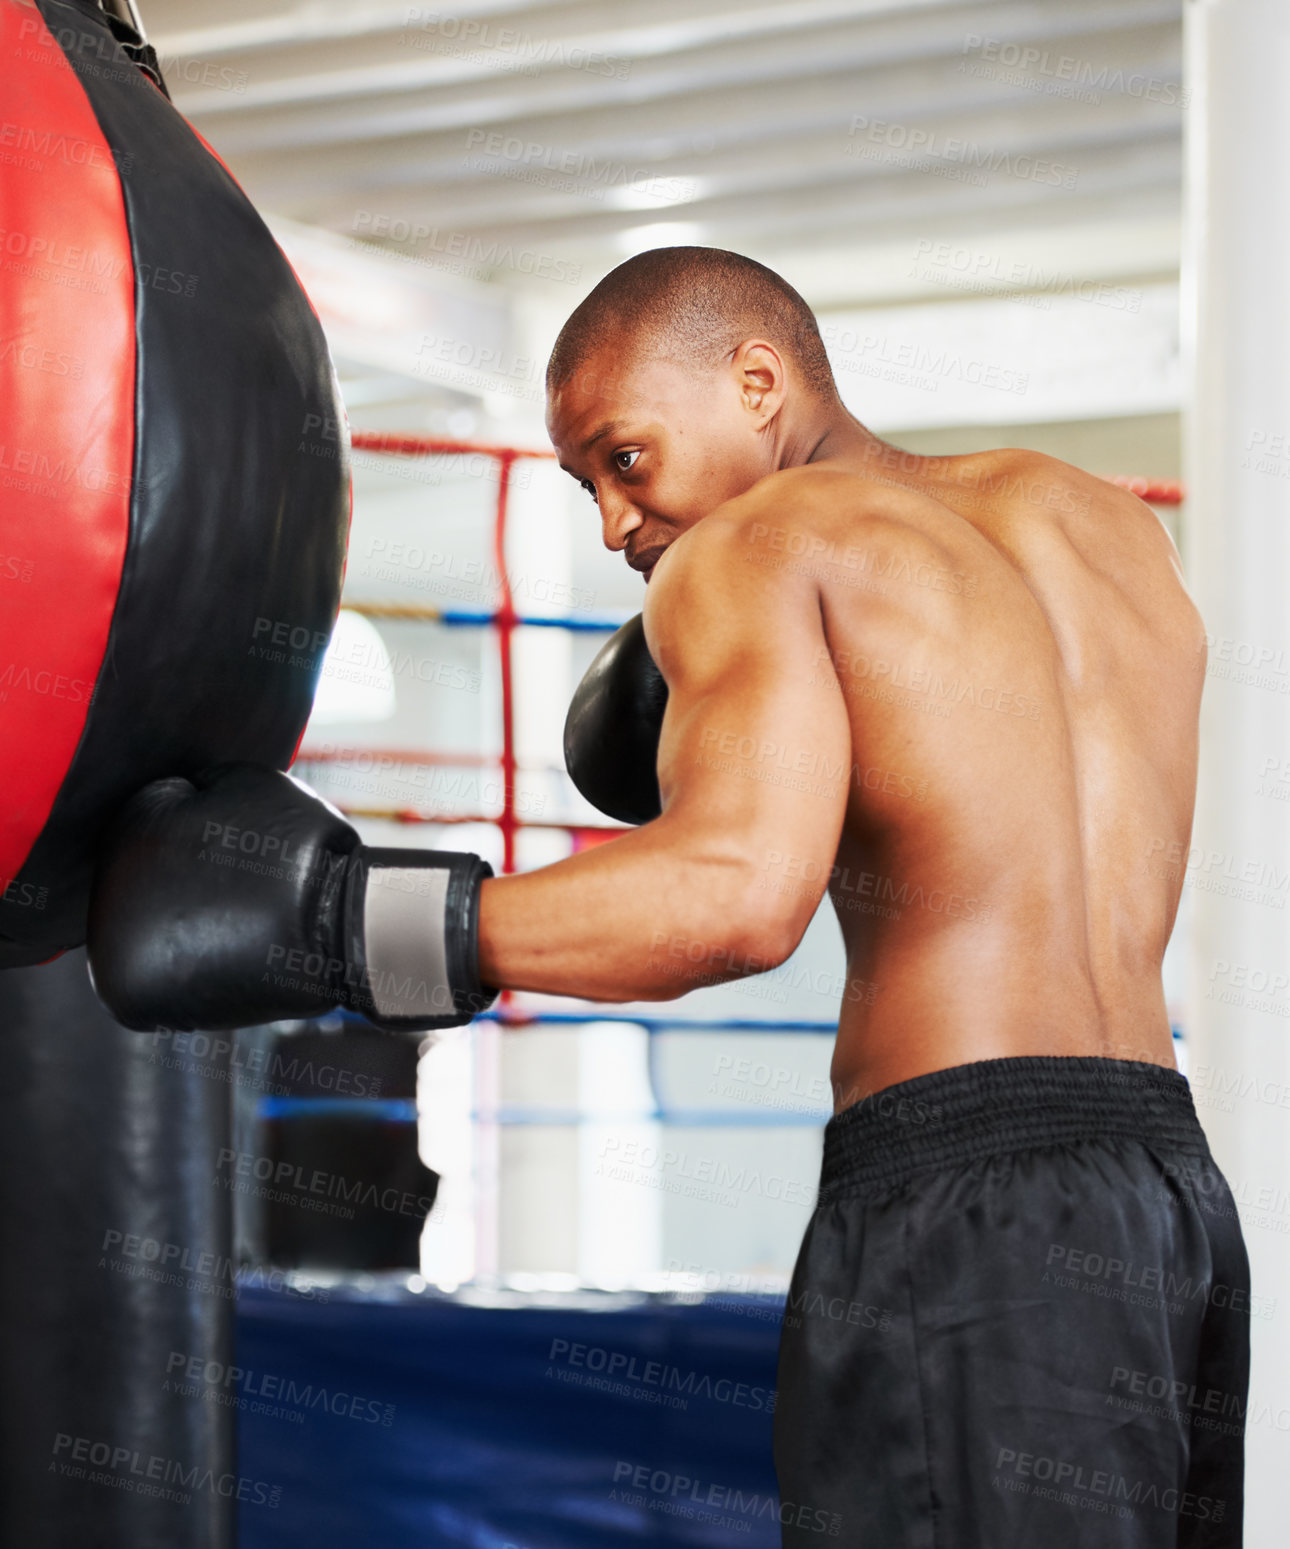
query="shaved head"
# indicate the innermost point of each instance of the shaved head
(692, 306)
(685, 378)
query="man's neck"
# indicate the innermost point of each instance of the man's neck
(828, 436)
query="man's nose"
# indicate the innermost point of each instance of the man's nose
(618, 520)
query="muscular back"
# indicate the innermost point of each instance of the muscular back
(1021, 670)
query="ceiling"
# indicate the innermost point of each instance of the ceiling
(534, 141)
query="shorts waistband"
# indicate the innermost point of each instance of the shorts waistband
(955, 1116)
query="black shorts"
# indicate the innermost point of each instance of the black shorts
(1019, 1320)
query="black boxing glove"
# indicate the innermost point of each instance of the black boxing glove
(612, 729)
(244, 898)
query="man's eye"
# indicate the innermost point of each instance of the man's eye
(625, 467)
(589, 487)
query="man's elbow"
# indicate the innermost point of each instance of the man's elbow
(716, 949)
(755, 928)
(756, 943)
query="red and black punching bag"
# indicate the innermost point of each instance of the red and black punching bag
(174, 496)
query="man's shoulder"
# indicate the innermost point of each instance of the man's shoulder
(785, 502)
(796, 499)
(793, 513)
(745, 554)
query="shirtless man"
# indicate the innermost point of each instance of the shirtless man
(962, 695)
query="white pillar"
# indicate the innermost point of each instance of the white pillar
(620, 1190)
(1236, 290)
(445, 1093)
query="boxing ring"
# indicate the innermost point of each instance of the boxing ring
(490, 1116)
(495, 1436)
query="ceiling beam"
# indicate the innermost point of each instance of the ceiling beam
(690, 123)
(422, 88)
(517, 193)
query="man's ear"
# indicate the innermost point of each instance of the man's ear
(759, 373)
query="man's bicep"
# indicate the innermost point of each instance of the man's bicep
(755, 744)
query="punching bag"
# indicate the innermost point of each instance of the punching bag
(174, 479)
(120, 1272)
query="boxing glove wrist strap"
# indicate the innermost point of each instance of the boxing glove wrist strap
(412, 920)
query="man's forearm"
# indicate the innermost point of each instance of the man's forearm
(642, 917)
